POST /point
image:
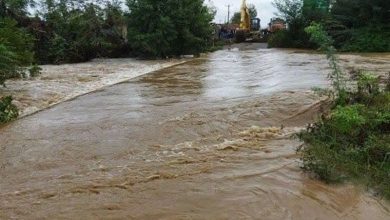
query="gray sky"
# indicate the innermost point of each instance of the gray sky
(265, 10)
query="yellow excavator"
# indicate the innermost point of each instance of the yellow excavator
(249, 27)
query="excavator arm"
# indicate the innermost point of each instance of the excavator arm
(245, 16)
(249, 27)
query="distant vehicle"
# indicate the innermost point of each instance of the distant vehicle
(276, 24)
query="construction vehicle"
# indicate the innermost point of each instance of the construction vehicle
(276, 24)
(249, 27)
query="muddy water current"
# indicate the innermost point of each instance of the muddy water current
(208, 139)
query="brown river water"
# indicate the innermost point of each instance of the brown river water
(208, 139)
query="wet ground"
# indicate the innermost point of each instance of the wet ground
(208, 139)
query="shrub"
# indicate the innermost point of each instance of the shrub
(369, 39)
(8, 111)
(347, 119)
(35, 71)
(280, 39)
(352, 141)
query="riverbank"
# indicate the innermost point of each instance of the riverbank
(59, 83)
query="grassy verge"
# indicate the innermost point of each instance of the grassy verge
(352, 141)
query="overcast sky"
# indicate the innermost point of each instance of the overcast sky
(265, 10)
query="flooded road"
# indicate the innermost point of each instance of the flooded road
(209, 139)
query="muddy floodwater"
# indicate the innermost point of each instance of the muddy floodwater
(208, 139)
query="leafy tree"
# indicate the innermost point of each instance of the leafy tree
(77, 31)
(252, 10)
(236, 19)
(315, 10)
(358, 13)
(366, 25)
(114, 31)
(15, 8)
(8, 64)
(295, 36)
(15, 50)
(355, 25)
(289, 10)
(160, 28)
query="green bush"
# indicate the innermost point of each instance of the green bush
(369, 39)
(8, 111)
(353, 141)
(280, 39)
(348, 119)
(35, 71)
(290, 39)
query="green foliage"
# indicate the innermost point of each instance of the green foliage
(236, 19)
(8, 111)
(289, 10)
(352, 143)
(321, 38)
(353, 140)
(295, 36)
(315, 10)
(17, 40)
(368, 39)
(355, 25)
(35, 71)
(15, 8)
(76, 31)
(169, 27)
(361, 13)
(252, 10)
(368, 85)
(15, 46)
(8, 64)
(281, 39)
(366, 25)
(57, 50)
(347, 118)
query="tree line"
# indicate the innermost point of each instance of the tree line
(67, 31)
(355, 25)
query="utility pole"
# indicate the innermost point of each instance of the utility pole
(228, 21)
